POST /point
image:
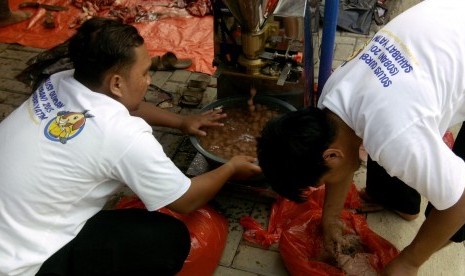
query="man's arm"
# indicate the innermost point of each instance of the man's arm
(335, 196)
(156, 116)
(435, 232)
(189, 124)
(205, 186)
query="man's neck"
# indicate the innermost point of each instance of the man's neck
(343, 131)
(346, 140)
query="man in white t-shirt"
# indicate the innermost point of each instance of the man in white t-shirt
(398, 96)
(73, 143)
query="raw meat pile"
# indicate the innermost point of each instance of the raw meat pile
(144, 11)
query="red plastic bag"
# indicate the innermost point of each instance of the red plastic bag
(208, 230)
(297, 228)
(284, 211)
(255, 233)
(302, 243)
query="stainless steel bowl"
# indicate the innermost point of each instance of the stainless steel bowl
(239, 101)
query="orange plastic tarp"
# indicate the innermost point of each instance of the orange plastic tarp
(175, 30)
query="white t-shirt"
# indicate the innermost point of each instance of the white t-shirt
(403, 91)
(64, 152)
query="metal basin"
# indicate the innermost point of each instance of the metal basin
(231, 102)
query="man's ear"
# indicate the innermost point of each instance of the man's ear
(333, 156)
(116, 83)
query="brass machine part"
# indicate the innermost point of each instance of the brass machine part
(253, 45)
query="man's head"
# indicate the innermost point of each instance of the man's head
(110, 57)
(290, 151)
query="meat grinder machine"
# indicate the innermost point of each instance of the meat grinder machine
(265, 45)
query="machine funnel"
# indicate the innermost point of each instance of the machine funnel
(251, 14)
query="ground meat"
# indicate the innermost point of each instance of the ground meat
(353, 260)
(239, 133)
(199, 7)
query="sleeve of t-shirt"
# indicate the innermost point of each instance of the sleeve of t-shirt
(152, 175)
(421, 159)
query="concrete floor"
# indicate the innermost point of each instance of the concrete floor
(241, 258)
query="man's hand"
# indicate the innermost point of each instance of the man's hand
(243, 167)
(192, 124)
(205, 186)
(188, 124)
(333, 237)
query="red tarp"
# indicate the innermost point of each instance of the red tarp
(175, 30)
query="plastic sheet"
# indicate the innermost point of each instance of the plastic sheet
(297, 228)
(176, 31)
(208, 230)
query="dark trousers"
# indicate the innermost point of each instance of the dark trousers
(394, 194)
(123, 242)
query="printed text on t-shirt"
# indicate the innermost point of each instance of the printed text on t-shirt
(45, 100)
(385, 60)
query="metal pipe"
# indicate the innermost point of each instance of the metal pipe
(327, 42)
(309, 65)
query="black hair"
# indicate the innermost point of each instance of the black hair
(100, 45)
(290, 151)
